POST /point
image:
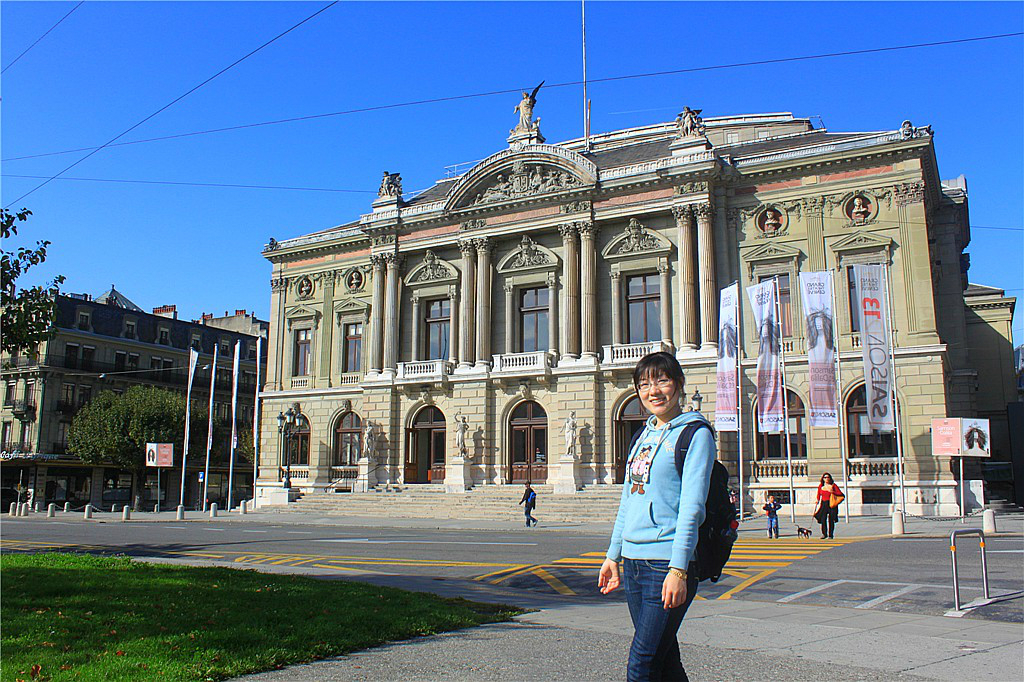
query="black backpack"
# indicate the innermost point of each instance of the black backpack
(717, 534)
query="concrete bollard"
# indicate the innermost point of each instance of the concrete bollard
(180, 515)
(87, 514)
(213, 510)
(113, 509)
(897, 522)
(156, 508)
(126, 513)
(988, 521)
(14, 509)
(242, 508)
(23, 509)
(51, 510)
(67, 507)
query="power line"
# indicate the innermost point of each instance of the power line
(42, 36)
(198, 184)
(174, 101)
(451, 98)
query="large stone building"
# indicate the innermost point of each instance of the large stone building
(450, 336)
(109, 344)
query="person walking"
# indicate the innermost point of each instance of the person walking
(826, 512)
(530, 499)
(656, 528)
(771, 508)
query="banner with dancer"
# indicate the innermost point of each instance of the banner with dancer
(872, 313)
(770, 410)
(728, 360)
(819, 313)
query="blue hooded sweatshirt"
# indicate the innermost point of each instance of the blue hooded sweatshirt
(661, 511)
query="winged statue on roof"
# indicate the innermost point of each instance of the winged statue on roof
(525, 108)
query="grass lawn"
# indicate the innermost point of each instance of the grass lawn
(82, 617)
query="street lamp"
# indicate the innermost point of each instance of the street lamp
(697, 400)
(286, 428)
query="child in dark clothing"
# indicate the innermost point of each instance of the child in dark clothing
(772, 510)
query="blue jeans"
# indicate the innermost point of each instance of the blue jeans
(654, 654)
(773, 526)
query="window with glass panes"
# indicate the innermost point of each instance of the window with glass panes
(533, 319)
(67, 395)
(861, 440)
(353, 348)
(348, 440)
(643, 294)
(773, 445)
(120, 359)
(303, 339)
(785, 306)
(438, 320)
(84, 395)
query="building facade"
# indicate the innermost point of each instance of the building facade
(111, 344)
(483, 332)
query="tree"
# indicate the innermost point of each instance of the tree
(26, 315)
(115, 428)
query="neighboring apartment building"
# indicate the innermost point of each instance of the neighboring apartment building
(110, 344)
(527, 288)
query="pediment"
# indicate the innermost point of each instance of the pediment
(528, 255)
(300, 311)
(351, 306)
(772, 251)
(636, 240)
(432, 270)
(861, 241)
(521, 173)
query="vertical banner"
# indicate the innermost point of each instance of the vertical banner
(819, 313)
(770, 410)
(209, 428)
(870, 281)
(728, 360)
(234, 422)
(193, 357)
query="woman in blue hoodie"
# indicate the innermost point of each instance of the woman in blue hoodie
(655, 533)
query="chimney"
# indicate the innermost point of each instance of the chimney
(170, 311)
(239, 312)
(207, 316)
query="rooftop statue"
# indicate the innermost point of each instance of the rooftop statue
(689, 123)
(390, 185)
(525, 108)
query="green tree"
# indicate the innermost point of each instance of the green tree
(26, 315)
(114, 429)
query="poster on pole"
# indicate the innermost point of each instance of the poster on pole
(728, 358)
(946, 437)
(770, 410)
(975, 438)
(159, 454)
(819, 312)
(870, 282)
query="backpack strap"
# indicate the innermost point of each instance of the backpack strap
(683, 442)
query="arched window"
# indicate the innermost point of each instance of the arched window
(631, 419)
(773, 445)
(348, 440)
(298, 443)
(529, 438)
(861, 441)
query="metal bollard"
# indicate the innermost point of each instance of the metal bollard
(67, 507)
(242, 507)
(213, 510)
(988, 521)
(51, 510)
(126, 513)
(180, 515)
(984, 562)
(87, 514)
(14, 509)
(897, 522)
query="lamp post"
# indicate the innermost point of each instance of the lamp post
(697, 400)
(286, 427)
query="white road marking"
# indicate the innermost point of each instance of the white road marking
(177, 527)
(886, 597)
(812, 590)
(221, 529)
(299, 532)
(254, 531)
(1006, 551)
(368, 541)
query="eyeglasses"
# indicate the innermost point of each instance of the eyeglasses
(663, 384)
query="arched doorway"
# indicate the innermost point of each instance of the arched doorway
(631, 420)
(425, 446)
(348, 440)
(773, 445)
(528, 435)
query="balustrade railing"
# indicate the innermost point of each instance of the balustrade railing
(630, 353)
(351, 378)
(872, 467)
(301, 382)
(534, 361)
(424, 369)
(767, 468)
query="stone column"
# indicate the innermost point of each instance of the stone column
(571, 279)
(391, 335)
(708, 281)
(687, 279)
(588, 273)
(510, 315)
(377, 316)
(467, 351)
(553, 314)
(616, 307)
(417, 322)
(665, 302)
(483, 302)
(453, 331)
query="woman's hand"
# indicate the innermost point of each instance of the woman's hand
(673, 591)
(608, 578)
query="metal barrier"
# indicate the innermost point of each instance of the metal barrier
(984, 564)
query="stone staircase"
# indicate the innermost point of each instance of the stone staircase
(1002, 506)
(596, 504)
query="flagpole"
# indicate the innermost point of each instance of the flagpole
(586, 103)
(256, 420)
(739, 393)
(209, 429)
(234, 423)
(193, 356)
(840, 407)
(897, 432)
(785, 399)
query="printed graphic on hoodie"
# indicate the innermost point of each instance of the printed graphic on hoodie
(640, 469)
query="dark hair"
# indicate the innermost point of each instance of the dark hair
(653, 365)
(822, 482)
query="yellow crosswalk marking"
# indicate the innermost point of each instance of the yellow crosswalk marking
(556, 584)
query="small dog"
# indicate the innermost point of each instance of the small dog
(803, 532)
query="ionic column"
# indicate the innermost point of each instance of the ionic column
(483, 301)
(553, 313)
(571, 278)
(687, 279)
(510, 314)
(416, 323)
(616, 307)
(377, 316)
(453, 333)
(706, 275)
(665, 303)
(588, 273)
(467, 351)
(278, 333)
(391, 313)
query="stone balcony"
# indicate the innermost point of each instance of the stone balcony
(627, 354)
(522, 364)
(424, 370)
(777, 468)
(872, 467)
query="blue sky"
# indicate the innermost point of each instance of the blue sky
(108, 65)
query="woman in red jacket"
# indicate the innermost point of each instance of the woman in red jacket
(827, 510)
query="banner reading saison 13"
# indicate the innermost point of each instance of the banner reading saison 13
(770, 414)
(816, 290)
(874, 341)
(728, 357)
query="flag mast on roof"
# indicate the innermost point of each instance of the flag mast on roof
(586, 102)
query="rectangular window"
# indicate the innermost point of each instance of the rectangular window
(643, 301)
(129, 330)
(133, 361)
(353, 352)
(252, 350)
(11, 392)
(300, 354)
(155, 362)
(197, 342)
(62, 436)
(164, 337)
(30, 393)
(120, 360)
(84, 395)
(876, 495)
(851, 290)
(67, 396)
(88, 355)
(168, 363)
(83, 321)
(781, 496)
(439, 315)
(731, 138)
(71, 355)
(533, 319)
(785, 306)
